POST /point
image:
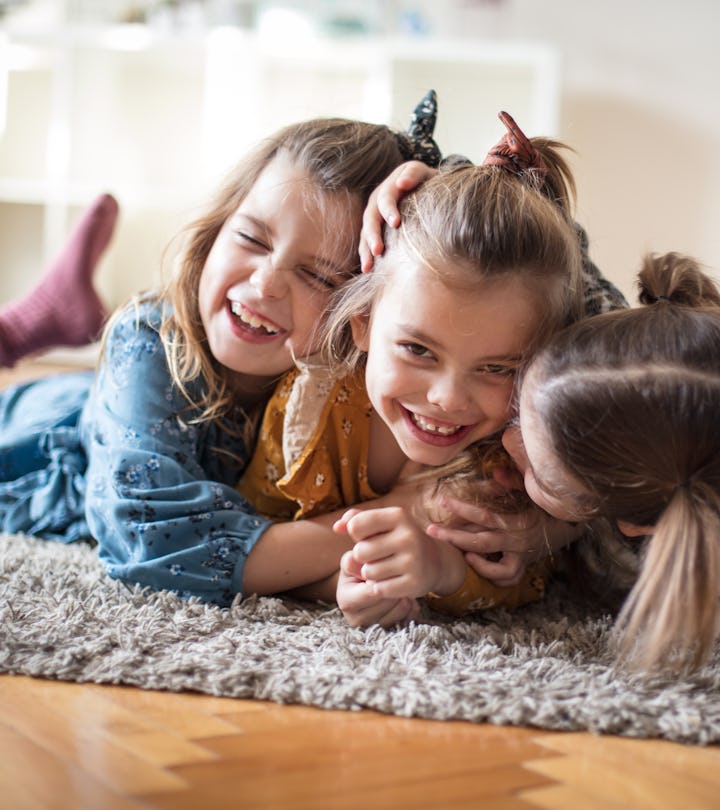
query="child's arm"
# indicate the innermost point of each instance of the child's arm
(303, 556)
(397, 558)
(383, 207)
(160, 500)
(297, 554)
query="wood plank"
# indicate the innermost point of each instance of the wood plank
(190, 715)
(35, 778)
(300, 758)
(328, 789)
(565, 797)
(71, 724)
(698, 762)
(637, 784)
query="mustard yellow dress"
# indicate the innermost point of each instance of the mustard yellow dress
(312, 449)
(311, 458)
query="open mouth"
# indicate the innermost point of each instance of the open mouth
(434, 427)
(436, 432)
(250, 322)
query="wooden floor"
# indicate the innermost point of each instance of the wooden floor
(75, 746)
(66, 745)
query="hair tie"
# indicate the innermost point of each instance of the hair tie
(417, 143)
(514, 151)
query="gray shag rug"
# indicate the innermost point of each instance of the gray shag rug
(548, 666)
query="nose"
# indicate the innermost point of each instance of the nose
(448, 393)
(268, 280)
(512, 442)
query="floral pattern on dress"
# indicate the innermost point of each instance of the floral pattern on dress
(118, 460)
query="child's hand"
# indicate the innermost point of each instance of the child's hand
(500, 547)
(362, 607)
(383, 207)
(396, 557)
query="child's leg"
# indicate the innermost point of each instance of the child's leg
(63, 309)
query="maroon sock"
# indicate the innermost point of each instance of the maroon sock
(63, 308)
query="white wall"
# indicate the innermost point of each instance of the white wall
(640, 105)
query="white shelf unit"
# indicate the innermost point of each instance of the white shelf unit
(157, 118)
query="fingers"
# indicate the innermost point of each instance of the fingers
(384, 612)
(474, 538)
(371, 242)
(363, 525)
(341, 524)
(509, 570)
(350, 566)
(409, 175)
(362, 607)
(383, 207)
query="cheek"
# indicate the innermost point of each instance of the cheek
(494, 401)
(205, 294)
(512, 442)
(309, 310)
(384, 381)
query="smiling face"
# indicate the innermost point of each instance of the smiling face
(441, 359)
(268, 277)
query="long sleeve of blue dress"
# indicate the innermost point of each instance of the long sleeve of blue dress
(160, 491)
(118, 459)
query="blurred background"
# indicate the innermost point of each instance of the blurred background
(155, 100)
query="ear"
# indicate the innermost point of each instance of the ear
(360, 327)
(633, 530)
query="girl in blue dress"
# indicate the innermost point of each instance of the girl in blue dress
(143, 455)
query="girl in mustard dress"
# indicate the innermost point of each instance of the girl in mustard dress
(423, 354)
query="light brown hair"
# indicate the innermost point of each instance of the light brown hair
(490, 224)
(341, 157)
(629, 401)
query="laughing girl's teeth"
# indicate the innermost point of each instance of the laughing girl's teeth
(252, 320)
(431, 427)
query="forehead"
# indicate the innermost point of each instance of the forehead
(285, 201)
(453, 297)
(547, 466)
(285, 182)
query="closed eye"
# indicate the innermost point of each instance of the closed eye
(498, 370)
(317, 279)
(244, 236)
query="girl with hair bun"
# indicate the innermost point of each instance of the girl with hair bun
(618, 425)
(420, 364)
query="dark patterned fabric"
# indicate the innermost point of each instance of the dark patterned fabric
(418, 143)
(599, 294)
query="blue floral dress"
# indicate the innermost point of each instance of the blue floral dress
(115, 458)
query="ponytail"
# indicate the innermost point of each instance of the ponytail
(669, 618)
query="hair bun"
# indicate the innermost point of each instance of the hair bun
(676, 279)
